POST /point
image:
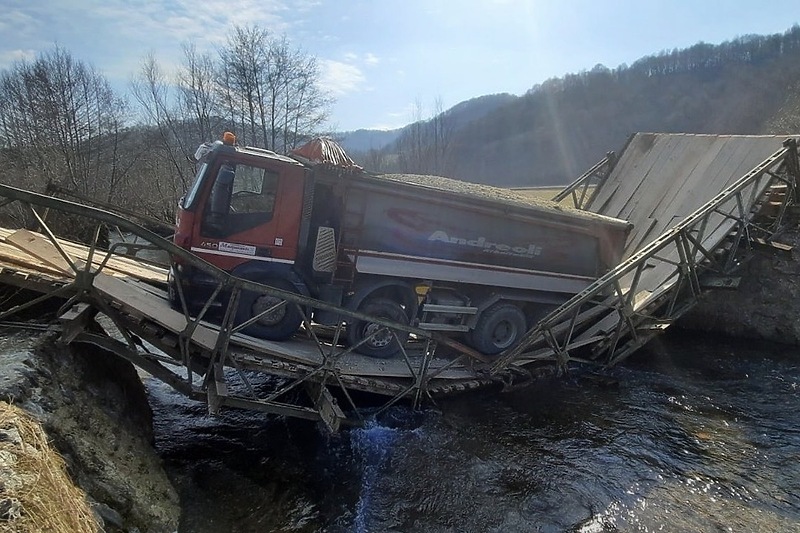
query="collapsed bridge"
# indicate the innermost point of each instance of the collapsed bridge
(697, 203)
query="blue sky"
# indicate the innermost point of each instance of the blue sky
(380, 59)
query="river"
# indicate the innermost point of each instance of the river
(694, 433)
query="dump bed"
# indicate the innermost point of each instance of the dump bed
(438, 228)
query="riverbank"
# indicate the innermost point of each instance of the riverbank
(95, 412)
(767, 302)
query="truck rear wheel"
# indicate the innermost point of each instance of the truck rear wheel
(278, 325)
(383, 344)
(499, 327)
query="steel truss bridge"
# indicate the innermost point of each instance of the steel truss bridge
(698, 205)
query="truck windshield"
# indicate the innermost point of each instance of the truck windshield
(189, 199)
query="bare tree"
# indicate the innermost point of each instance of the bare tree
(425, 143)
(260, 87)
(199, 92)
(270, 89)
(64, 124)
(244, 73)
(441, 133)
(163, 159)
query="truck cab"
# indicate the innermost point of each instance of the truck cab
(264, 217)
(243, 214)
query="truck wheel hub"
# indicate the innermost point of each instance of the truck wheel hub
(264, 302)
(380, 338)
(504, 334)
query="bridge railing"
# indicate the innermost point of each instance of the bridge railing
(583, 189)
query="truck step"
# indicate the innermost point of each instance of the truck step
(449, 309)
(432, 326)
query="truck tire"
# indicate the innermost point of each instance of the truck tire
(384, 345)
(276, 326)
(499, 327)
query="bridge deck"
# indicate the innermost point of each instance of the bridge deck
(694, 202)
(659, 181)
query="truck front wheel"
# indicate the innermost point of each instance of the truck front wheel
(499, 327)
(277, 325)
(382, 342)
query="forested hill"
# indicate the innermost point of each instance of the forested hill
(554, 132)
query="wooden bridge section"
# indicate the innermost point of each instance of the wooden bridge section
(696, 202)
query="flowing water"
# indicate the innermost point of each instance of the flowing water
(697, 434)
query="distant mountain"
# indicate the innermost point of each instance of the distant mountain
(361, 141)
(366, 140)
(558, 129)
(470, 110)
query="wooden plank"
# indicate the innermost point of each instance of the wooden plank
(130, 297)
(147, 287)
(42, 249)
(642, 179)
(686, 194)
(296, 350)
(19, 260)
(693, 167)
(307, 352)
(669, 180)
(773, 246)
(356, 364)
(158, 310)
(633, 154)
(665, 172)
(676, 176)
(642, 233)
(118, 264)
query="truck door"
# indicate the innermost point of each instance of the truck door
(252, 212)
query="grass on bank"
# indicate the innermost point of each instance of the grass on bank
(36, 494)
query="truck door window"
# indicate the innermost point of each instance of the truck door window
(251, 200)
(254, 190)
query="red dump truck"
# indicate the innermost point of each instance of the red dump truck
(441, 254)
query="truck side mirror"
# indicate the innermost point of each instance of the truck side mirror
(220, 200)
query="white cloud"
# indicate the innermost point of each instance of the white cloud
(18, 22)
(341, 78)
(183, 20)
(368, 59)
(7, 57)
